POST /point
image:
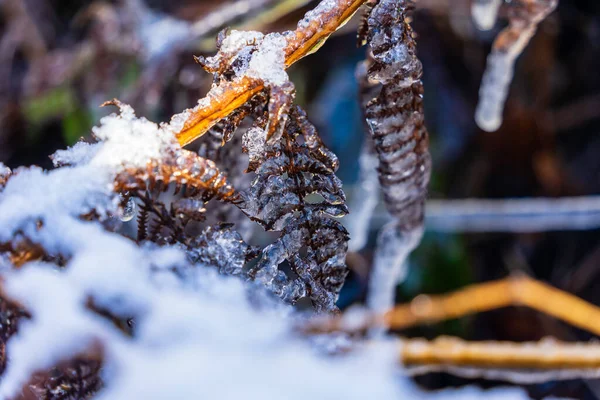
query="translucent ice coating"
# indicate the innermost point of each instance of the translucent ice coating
(524, 17)
(396, 120)
(485, 13)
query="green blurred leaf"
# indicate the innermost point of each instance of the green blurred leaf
(51, 104)
(75, 125)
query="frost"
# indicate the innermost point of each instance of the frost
(237, 40)
(80, 153)
(485, 12)
(268, 62)
(130, 141)
(316, 13)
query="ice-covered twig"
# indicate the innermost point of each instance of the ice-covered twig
(524, 17)
(508, 215)
(514, 215)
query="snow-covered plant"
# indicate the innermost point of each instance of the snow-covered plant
(183, 307)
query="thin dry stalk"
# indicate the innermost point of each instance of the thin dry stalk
(545, 354)
(512, 291)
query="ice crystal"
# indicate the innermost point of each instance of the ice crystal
(316, 14)
(485, 12)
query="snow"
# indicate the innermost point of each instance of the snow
(205, 336)
(129, 140)
(268, 62)
(316, 13)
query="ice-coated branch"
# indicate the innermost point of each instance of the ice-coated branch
(310, 34)
(524, 17)
(514, 215)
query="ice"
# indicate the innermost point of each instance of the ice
(495, 84)
(237, 40)
(222, 247)
(198, 334)
(127, 210)
(485, 13)
(499, 71)
(254, 140)
(316, 14)
(389, 266)
(364, 200)
(268, 61)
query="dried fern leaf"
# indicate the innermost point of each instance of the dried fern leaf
(297, 193)
(396, 120)
(185, 168)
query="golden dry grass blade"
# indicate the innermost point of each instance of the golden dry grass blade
(519, 290)
(545, 354)
(306, 39)
(512, 291)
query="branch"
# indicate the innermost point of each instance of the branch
(310, 34)
(512, 291)
(521, 363)
(545, 354)
(535, 214)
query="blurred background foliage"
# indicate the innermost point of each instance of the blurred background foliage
(60, 59)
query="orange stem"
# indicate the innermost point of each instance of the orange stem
(227, 97)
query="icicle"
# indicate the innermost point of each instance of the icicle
(498, 74)
(364, 200)
(485, 13)
(389, 266)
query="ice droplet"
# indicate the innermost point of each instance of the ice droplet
(127, 210)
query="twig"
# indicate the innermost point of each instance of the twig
(306, 39)
(545, 354)
(512, 291)
(522, 363)
(514, 215)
